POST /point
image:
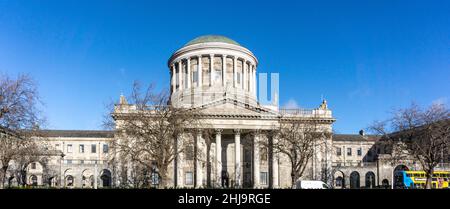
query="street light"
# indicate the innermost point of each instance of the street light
(60, 169)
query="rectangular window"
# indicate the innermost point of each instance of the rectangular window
(349, 151)
(105, 148)
(33, 165)
(69, 161)
(81, 148)
(338, 151)
(81, 161)
(194, 77)
(69, 148)
(359, 151)
(190, 152)
(93, 148)
(238, 77)
(264, 178)
(189, 178)
(263, 154)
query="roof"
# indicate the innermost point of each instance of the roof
(78, 133)
(354, 137)
(212, 38)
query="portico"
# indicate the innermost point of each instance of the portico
(235, 160)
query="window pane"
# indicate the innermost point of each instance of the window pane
(263, 178)
(195, 77)
(105, 148)
(93, 148)
(189, 178)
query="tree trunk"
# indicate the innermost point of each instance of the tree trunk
(162, 178)
(293, 181)
(4, 169)
(429, 175)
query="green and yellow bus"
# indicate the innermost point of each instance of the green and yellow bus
(417, 179)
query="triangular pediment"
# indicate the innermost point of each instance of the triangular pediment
(227, 106)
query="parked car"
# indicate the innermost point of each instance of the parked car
(311, 185)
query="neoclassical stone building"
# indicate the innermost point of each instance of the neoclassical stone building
(218, 77)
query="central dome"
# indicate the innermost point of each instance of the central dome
(212, 38)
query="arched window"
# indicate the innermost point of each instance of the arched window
(106, 178)
(370, 180)
(91, 180)
(354, 180)
(385, 183)
(339, 182)
(34, 180)
(69, 181)
(52, 181)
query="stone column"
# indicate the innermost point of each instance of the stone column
(219, 157)
(275, 165)
(255, 85)
(237, 162)
(189, 80)
(256, 160)
(224, 70)
(173, 80)
(212, 72)
(198, 160)
(179, 164)
(235, 72)
(244, 75)
(180, 75)
(200, 71)
(250, 78)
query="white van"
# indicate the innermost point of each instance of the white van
(311, 185)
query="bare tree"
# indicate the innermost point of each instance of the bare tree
(19, 119)
(151, 132)
(298, 140)
(420, 134)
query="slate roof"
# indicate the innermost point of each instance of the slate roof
(78, 133)
(354, 137)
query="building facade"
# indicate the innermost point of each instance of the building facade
(218, 76)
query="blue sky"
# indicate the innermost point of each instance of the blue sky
(364, 57)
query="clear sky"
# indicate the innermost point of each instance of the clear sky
(364, 57)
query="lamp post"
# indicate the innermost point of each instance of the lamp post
(95, 175)
(61, 180)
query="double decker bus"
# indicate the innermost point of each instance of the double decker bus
(417, 179)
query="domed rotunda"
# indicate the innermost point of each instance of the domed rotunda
(210, 68)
